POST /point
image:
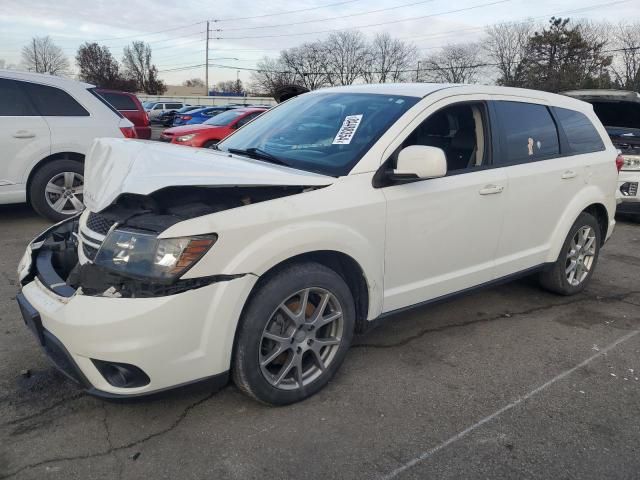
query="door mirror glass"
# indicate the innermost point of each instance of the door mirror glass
(421, 161)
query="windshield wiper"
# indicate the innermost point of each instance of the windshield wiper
(258, 154)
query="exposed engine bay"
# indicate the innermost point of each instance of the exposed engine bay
(58, 264)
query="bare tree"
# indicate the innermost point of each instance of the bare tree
(230, 86)
(388, 59)
(454, 64)
(506, 45)
(345, 55)
(626, 63)
(598, 36)
(270, 75)
(138, 66)
(41, 55)
(97, 66)
(308, 63)
(194, 82)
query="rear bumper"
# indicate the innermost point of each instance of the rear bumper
(143, 133)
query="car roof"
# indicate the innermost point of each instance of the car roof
(604, 94)
(44, 78)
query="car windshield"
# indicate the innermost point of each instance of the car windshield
(224, 118)
(323, 132)
(186, 109)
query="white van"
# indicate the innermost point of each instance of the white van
(261, 259)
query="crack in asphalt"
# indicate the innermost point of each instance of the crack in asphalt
(113, 449)
(53, 406)
(621, 297)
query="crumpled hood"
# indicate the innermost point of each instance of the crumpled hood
(116, 165)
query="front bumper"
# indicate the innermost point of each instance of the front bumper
(174, 339)
(628, 192)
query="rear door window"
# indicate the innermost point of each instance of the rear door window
(119, 101)
(53, 102)
(526, 132)
(581, 135)
(14, 101)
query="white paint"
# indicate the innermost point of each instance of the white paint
(429, 453)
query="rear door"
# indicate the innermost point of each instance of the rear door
(24, 137)
(541, 182)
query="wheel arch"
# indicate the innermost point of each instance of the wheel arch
(599, 211)
(78, 157)
(341, 263)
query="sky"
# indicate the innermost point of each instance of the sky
(244, 31)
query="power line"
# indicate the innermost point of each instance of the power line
(329, 18)
(370, 25)
(149, 33)
(286, 12)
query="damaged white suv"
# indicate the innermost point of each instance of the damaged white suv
(262, 259)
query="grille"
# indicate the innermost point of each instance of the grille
(89, 251)
(98, 223)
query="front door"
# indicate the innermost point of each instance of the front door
(442, 234)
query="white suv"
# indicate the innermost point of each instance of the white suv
(338, 207)
(47, 124)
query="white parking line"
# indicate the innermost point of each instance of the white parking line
(427, 454)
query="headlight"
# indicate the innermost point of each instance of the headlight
(631, 162)
(139, 254)
(185, 138)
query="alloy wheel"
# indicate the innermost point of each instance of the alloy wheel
(581, 255)
(301, 338)
(64, 193)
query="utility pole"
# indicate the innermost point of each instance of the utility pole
(418, 72)
(206, 71)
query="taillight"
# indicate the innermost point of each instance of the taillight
(619, 161)
(128, 132)
(186, 117)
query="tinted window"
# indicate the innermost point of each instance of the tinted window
(618, 114)
(247, 119)
(13, 100)
(158, 106)
(53, 102)
(174, 106)
(119, 101)
(581, 134)
(527, 132)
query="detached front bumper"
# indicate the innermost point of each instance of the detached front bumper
(628, 192)
(173, 340)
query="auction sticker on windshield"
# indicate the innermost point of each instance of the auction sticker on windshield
(347, 130)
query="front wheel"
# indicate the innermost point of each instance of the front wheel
(294, 334)
(577, 261)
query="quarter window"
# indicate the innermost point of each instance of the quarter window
(53, 102)
(527, 132)
(582, 136)
(13, 100)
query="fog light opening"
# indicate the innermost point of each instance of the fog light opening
(121, 375)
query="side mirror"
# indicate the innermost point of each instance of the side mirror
(421, 161)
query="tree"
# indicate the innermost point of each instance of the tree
(194, 82)
(388, 59)
(230, 86)
(138, 67)
(41, 55)
(345, 55)
(271, 75)
(97, 66)
(454, 64)
(506, 45)
(561, 58)
(626, 64)
(308, 64)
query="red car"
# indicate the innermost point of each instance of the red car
(213, 130)
(130, 108)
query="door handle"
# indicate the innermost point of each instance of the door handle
(491, 189)
(23, 134)
(568, 174)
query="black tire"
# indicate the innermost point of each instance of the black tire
(40, 180)
(555, 278)
(269, 294)
(210, 144)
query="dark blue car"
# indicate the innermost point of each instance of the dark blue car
(200, 115)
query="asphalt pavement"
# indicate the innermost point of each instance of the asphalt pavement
(508, 382)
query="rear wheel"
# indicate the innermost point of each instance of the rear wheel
(294, 334)
(578, 257)
(56, 190)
